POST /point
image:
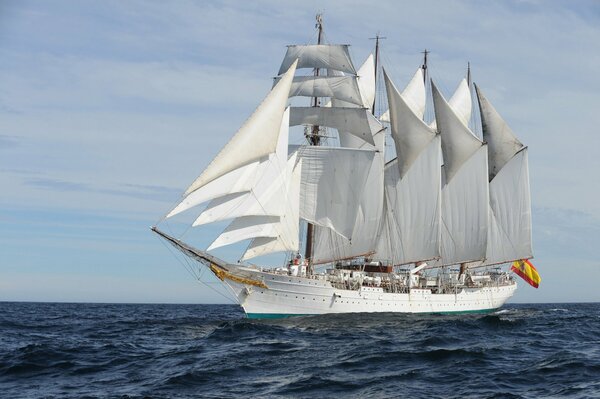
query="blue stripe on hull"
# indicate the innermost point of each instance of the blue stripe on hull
(286, 315)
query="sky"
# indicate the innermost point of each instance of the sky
(109, 110)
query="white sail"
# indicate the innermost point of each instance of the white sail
(288, 228)
(261, 197)
(414, 95)
(412, 222)
(411, 229)
(502, 142)
(411, 135)
(284, 227)
(458, 142)
(465, 192)
(510, 206)
(330, 56)
(356, 121)
(461, 103)
(333, 180)
(237, 181)
(510, 202)
(366, 84)
(366, 81)
(255, 139)
(465, 212)
(329, 245)
(344, 88)
(246, 227)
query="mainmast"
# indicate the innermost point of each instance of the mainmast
(313, 139)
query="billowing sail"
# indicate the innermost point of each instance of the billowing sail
(461, 103)
(261, 199)
(502, 142)
(246, 227)
(327, 244)
(330, 56)
(288, 228)
(366, 81)
(414, 95)
(411, 229)
(333, 180)
(465, 193)
(511, 212)
(411, 135)
(357, 121)
(237, 181)
(255, 139)
(510, 202)
(283, 227)
(343, 88)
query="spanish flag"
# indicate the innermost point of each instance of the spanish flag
(527, 272)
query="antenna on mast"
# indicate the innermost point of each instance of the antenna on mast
(469, 74)
(424, 66)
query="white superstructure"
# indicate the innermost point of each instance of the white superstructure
(427, 231)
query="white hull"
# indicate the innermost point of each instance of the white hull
(292, 296)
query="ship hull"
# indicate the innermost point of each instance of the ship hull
(285, 296)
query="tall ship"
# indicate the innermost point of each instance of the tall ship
(433, 227)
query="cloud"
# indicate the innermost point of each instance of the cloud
(7, 142)
(111, 109)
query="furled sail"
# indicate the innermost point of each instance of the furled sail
(510, 202)
(333, 180)
(343, 88)
(411, 228)
(330, 56)
(465, 193)
(357, 121)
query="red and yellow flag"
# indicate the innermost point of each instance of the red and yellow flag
(525, 270)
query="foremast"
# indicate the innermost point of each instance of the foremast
(313, 139)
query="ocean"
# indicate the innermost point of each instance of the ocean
(61, 350)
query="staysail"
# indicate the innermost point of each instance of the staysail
(255, 139)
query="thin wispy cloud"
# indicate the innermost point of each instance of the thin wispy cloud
(113, 108)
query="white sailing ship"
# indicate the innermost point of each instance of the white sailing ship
(428, 231)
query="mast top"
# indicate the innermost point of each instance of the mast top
(469, 74)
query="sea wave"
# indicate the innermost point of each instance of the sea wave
(184, 351)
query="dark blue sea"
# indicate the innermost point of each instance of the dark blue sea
(57, 350)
